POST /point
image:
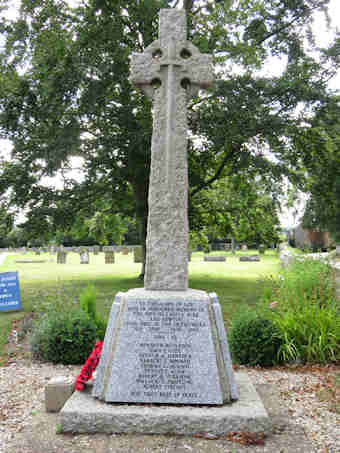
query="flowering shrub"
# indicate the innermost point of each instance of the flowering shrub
(89, 367)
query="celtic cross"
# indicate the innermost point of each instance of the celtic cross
(170, 71)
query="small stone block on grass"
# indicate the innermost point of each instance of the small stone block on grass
(250, 258)
(57, 391)
(214, 258)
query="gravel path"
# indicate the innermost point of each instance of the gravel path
(302, 422)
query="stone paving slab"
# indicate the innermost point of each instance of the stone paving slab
(84, 414)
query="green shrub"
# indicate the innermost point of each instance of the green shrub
(63, 336)
(88, 303)
(254, 340)
(302, 304)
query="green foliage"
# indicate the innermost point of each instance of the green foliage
(235, 207)
(63, 336)
(88, 303)
(322, 135)
(254, 339)
(198, 240)
(65, 92)
(302, 304)
(311, 334)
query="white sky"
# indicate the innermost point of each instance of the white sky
(323, 37)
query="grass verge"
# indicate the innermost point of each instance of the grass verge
(236, 283)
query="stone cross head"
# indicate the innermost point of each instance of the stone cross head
(171, 50)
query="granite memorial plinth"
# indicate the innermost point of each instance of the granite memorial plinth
(84, 414)
(165, 347)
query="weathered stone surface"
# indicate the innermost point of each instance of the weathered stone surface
(166, 344)
(61, 257)
(221, 334)
(109, 257)
(214, 258)
(250, 258)
(164, 347)
(286, 258)
(84, 414)
(84, 257)
(110, 248)
(57, 391)
(180, 70)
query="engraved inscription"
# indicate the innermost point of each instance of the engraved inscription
(165, 357)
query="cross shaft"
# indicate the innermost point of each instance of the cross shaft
(169, 71)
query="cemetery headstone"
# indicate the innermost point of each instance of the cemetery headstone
(286, 258)
(250, 258)
(110, 248)
(61, 257)
(109, 257)
(214, 258)
(84, 257)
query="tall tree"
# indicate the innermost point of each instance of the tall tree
(322, 136)
(65, 92)
(236, 207)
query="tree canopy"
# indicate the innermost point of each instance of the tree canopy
(64, 92)
(322, 136)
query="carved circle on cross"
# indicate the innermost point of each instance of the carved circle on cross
(185, 53)
(157, 54)
(156, 83)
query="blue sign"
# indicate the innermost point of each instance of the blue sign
(9, 291)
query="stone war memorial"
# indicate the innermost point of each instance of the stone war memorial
(165, 366)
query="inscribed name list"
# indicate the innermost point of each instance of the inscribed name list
(165, 362)
(9, 291)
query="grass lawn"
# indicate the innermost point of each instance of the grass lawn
(236, 283)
